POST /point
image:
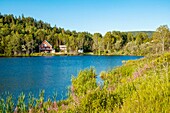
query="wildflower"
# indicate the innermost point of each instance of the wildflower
(54, 104)
(16, 110)
(30, 110)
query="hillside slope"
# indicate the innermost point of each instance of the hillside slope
(149, 33)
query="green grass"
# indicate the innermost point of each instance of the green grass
(141, 86)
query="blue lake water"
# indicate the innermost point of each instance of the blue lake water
(53, 74)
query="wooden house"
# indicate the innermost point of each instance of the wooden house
(46, 47)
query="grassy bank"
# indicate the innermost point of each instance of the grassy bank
(137, 86)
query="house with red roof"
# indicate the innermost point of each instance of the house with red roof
(46, 47)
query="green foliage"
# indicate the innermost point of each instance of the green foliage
(151, 92)
(21, 106)
(85, 81)
(31, 100)
(21, 36)
(137, 86)
(99, 101)
(162, 35)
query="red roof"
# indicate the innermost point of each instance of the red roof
(45, 46)
(47, 43)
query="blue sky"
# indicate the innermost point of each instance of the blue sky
(94, 15)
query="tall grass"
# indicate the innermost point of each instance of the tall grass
(140, 86)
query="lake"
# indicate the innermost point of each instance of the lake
(53, 74)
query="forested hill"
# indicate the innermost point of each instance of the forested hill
(23, 35)
(149, 33)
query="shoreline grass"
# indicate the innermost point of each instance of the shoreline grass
(137, 86)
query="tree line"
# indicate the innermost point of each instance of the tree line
(23, 35)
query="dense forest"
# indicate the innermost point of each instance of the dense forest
(22, 35)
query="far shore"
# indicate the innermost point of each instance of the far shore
(65, 54)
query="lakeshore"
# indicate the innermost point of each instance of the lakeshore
(121, 86)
